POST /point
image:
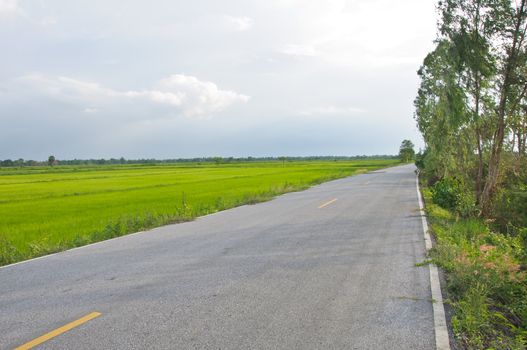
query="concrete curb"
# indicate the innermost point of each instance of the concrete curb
(440, 326)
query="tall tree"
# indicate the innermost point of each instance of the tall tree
(51, 160)
(406, 151)
(473, 88)
(440, 112)
(470, 27)
(512, 45)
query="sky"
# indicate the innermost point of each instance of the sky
(181, 79)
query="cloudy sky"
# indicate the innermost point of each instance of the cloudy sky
(172, 78)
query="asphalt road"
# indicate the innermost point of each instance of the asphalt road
(291, 273)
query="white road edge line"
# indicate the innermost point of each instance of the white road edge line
(440, 327)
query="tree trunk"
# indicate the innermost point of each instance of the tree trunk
(479, 176)
(499, 134)
(522, 137)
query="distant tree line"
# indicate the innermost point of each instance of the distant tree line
(217, 160)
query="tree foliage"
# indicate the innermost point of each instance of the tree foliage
(406, 151)
(51, 160)
(471, 105)
(471, 108)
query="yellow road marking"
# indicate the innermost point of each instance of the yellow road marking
(58, 331)
(327, 203)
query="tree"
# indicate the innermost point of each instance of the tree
(441, 112)
(406, 151)
(51, 160)
(282, 159)
(7, 162)
(471, 28)
(470, 104)
(512, 77)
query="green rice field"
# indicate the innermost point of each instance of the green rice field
(49, 209)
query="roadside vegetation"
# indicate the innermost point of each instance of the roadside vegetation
(53, 208)
(472, 111)
(486, 278)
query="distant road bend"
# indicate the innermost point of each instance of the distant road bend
(332, 267)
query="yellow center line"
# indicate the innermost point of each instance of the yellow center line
(327, 203)
(58, 331)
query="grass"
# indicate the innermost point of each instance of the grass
(45, 210)
(486, 279)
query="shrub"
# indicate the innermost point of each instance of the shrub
(445, 193)
(420, 160)
(510, 209)
(466, 203)
(451, 193)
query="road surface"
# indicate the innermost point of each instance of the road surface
(332, 267)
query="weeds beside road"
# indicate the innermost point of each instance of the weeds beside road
(486, 279)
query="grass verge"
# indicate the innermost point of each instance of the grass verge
(486, 279)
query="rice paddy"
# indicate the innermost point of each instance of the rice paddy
(49, 209)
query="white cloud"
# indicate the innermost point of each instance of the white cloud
(306, 61)
(361, 34)
(240, 23)
(9, 6)
(333, 110)
(184, 94)
(200, 98)
(299, 50)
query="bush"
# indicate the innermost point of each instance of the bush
(420, 160)
(445, 193)
(451, 193)
(466, 204)
(510, 209)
